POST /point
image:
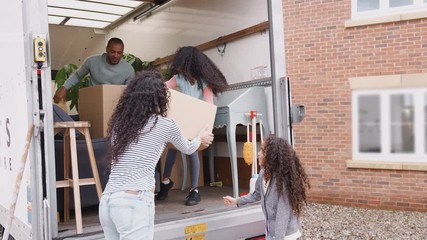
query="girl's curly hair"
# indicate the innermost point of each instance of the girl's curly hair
(282, 163)
(146, 95)
(194, 65)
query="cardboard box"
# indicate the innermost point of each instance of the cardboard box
(223, 172)
(97, 103)
(190, 114)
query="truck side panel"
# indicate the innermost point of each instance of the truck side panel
(25, 98)
(14, 120)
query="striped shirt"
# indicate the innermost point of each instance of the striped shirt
(135, 168)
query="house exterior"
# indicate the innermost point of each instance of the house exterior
(360, 69)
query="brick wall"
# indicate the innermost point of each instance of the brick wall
(321, 54)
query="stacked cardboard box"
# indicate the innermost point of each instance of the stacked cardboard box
(96, 104)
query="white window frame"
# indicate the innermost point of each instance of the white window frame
(419, 126)
(385, 10)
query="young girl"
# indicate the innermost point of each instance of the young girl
(139, 132)
(281, 186)
(195, 75)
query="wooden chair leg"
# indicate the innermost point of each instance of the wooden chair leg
(76, 184)
(93, 162)
(66, 174)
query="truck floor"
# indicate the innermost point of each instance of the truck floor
(171, 209)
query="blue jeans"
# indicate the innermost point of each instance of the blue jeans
(127, 216)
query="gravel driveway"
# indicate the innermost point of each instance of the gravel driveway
(321, 221)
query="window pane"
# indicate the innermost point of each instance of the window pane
(365, 5)
(402, 123)
(369, 124)
(399, 3)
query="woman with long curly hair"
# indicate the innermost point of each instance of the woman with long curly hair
(195, 75)
(281, 187)
(139, 132)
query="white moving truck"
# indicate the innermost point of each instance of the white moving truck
(32, 47)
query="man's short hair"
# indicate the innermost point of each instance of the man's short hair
(115, 41)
